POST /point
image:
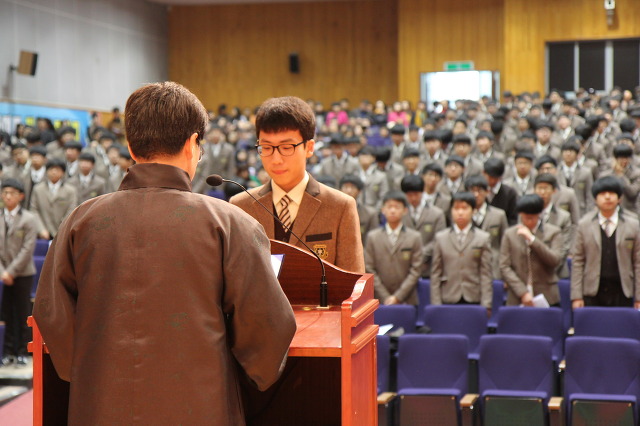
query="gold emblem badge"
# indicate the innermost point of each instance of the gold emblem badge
(20, 233)
(428, 227)
(477, 252)
(406, 255)
(321, 250)
(630, 245)
(494, 232)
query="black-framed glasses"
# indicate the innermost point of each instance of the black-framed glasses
(286, 149)
(200, 146)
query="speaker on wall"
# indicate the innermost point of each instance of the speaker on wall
(28, 63)
(294, 63)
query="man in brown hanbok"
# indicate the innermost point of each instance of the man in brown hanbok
(154, 301)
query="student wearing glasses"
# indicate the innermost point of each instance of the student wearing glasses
(325, 218)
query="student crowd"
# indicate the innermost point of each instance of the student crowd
(461, 193)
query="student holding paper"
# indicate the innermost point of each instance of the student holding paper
(529, 256)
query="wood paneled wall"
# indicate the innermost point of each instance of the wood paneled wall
(530, 24)
(431, 32)
(239, 54)
(375, 49)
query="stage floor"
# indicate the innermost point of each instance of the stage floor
(16, 397)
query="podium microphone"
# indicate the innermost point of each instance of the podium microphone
(217, 180)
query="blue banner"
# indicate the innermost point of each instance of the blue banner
(12, 114)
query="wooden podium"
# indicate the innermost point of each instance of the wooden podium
(330, 377)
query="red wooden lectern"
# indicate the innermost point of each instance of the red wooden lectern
(330, 377)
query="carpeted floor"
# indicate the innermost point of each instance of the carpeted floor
(18, 412)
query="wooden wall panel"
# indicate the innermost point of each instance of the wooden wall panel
(529, 25)
(431, 32)
(239, 54)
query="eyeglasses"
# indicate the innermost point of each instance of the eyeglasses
(286, 150)
(201, 148)
(9, 192)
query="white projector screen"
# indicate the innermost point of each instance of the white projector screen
(454, 85)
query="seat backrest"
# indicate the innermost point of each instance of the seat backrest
(497, 299)
(433, 361)
(602, 365)
(42, 246)
(607, 322)
(384, 358)
(39, 262)
(424, 298)
(564, 288)
(470, 320)
(515, 362)
(399, 315)
(534, 322)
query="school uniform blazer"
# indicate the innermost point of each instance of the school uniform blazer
(394, 174)
(581, 184)
(431, 221)
(375, 186)
(100, 167)
(369, 220)
(494, 154)
(631, 187)
(562, 220)
(552, 150)
(17, 244)
(327, 221)
(17, 172)
(337, 169)
(585, 272)
(444, 189)
(53, 210)
(223, 164)
(511, 181)
(443, 202)
(565, 199)
(97, 186)
(55, 150)
(114, 181)
(506, 199)
(461, 270)
(395, 268)
(473, 168)
(595, 151)
(546, 255)
(425, 158)
(495, 223)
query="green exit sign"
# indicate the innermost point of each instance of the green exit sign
(459, 66)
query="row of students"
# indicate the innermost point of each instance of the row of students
(530, 255)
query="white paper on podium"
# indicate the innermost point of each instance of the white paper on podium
(276, 263)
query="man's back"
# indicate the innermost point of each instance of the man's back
(137, 295)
